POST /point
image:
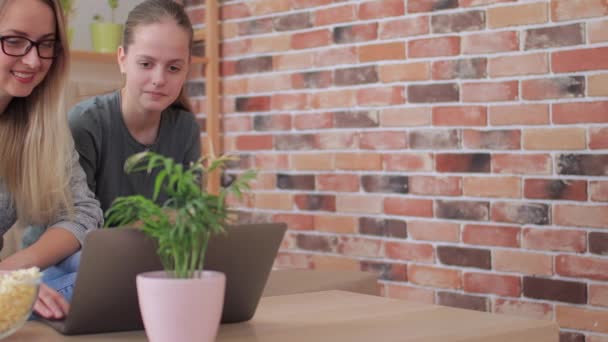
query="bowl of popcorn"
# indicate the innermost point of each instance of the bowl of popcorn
(18, 293)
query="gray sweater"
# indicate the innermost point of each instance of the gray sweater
(104, 143)
(87, 213)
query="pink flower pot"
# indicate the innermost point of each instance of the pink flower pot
(175, 309)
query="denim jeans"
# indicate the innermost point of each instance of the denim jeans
(62, 276)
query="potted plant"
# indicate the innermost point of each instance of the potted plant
(106, 36)
(183, 301)
(68, 11)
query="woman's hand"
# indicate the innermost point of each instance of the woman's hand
(50, 304)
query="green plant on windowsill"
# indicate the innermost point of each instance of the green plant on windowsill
(113, 4)
(183, 224)
(68, 8)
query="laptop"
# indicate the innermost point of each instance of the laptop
(105, 293)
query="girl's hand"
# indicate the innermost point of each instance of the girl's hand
(50, 304)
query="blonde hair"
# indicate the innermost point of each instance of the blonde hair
(156, 11)
(35, 142)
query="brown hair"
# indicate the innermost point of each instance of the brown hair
(36, 149)
(156, 11)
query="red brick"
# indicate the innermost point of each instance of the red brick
(433, 231)
(380, 96)
(597, 31)
(490, 91)
(460, 116)
(254, 142)
(581, 318)
(404, 72)
(505, 236)
(335, 224)
(581, 216)
(434, 92)
(435, 186)
(527, 263)
(311, 161)
(490, 42)
(326, 262)
(410, 293)
(408, 162)
(438, 139)
(338, 182)
(554, 240)
(524, 14)
(582, 267)
(574, 190)
(295, 221)
(533, 310)
(358, 161)
(519, 114)
(382, 140)
(460, 69)
(289, 101)
(434, 276)
(553, 88)
(554, 138)
(293, 61)
(237, 124)
(522, 164)
(271, 161)
(568, 9)
(404, 27)
(336, 141)
(313, 121)
(360, 247)
(521, 213)
(469, 3)
(235, 48)
(501, 285)
(430, 5)
(598, 294)
(276, 122)
(433, 47)
(408, 207)
(297, 4)
(355, 33)
(462, 162)
(579, 60)
(381, 9)
(580, 112)
(341, 55)
(268, 44)
(494, 140)
(529, 64)
(599, 191)
(381, 52)
(333, 99)
(359, 204)
(233, 11)
(268, 83)
(405, 117)
(274, 201)
(334, 15)
(307, 40)
(293, 261)
(417, 252)
(502, 187)
(260, 7)
(597, 85)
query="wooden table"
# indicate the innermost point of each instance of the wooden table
(340, 316)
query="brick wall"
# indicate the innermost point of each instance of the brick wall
(459, 149)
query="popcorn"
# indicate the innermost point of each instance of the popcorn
(18, 292)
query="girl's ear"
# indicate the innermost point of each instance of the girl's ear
(121, 57)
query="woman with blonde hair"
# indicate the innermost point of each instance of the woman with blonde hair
(41, 181)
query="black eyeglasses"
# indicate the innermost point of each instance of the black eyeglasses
(17, 46)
